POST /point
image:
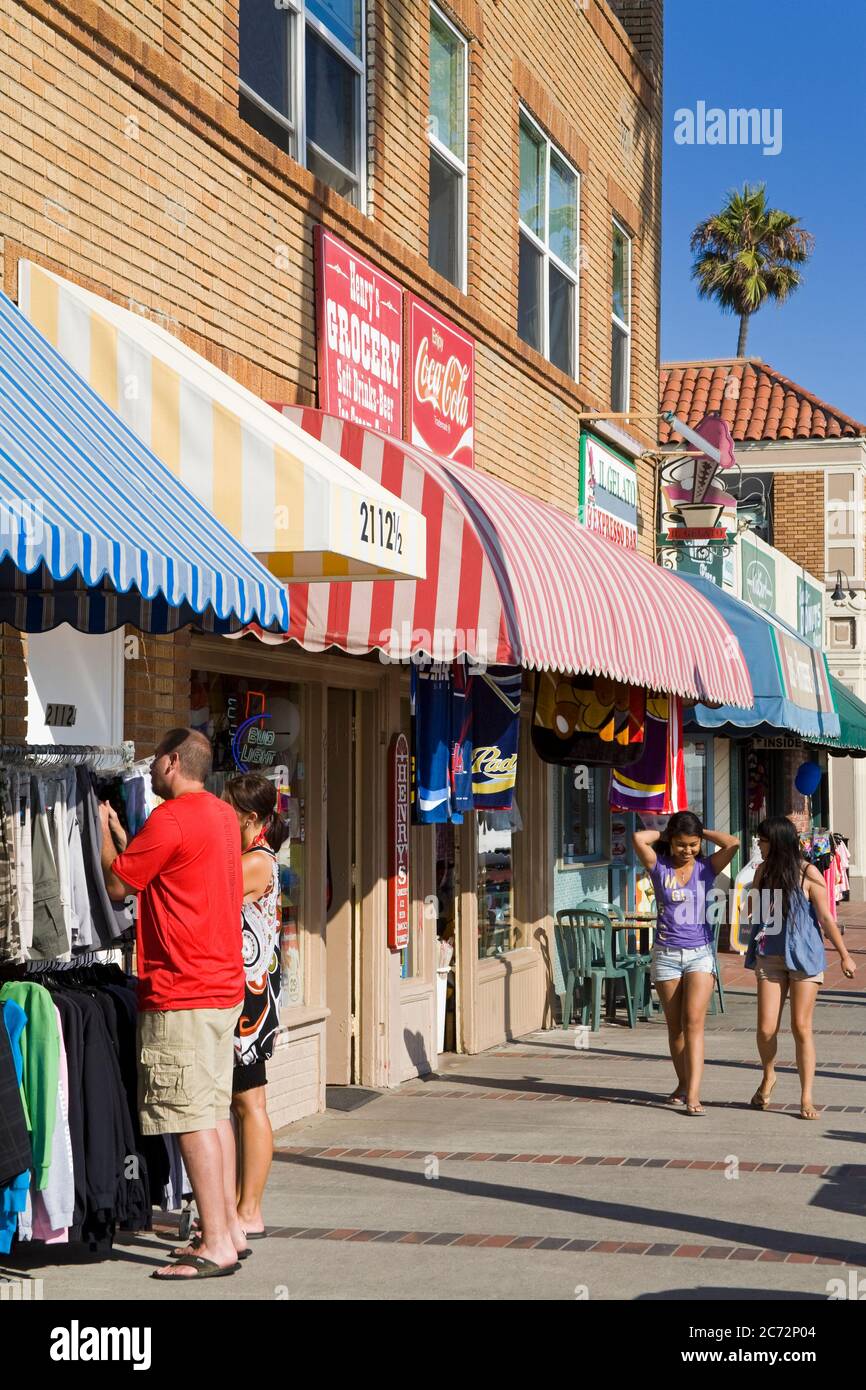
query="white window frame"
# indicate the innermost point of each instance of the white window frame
(298, 88)
(857, 542)
(446, 155)
(543, 247)
(620, 323)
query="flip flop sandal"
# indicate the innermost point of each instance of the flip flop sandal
(695, 1112)
(195, 1244)
(205, 1269)
(761, 1102)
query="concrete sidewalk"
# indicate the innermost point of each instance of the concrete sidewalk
(549, 1170)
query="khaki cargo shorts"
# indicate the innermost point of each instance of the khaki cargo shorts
(185, 1062)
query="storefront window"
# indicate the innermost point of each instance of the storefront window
(258, 726)
(496, 929)
(695, 759)
(582, 801)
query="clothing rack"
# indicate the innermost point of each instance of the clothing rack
(50, 757)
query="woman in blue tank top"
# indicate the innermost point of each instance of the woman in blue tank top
(789, 910)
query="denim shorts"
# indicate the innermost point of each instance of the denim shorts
(668, 964)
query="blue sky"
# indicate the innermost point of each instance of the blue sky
(807, 60)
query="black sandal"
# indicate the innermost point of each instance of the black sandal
(205, 1269)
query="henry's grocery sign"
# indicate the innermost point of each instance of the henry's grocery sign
(360, 338)
(442, 384)
(608, 492)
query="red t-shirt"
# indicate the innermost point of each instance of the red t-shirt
(185, 863)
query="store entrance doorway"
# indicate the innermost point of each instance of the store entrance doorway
(448, 937)
(341, 818)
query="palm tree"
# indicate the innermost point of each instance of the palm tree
(747, 254)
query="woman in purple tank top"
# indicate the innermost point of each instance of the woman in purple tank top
(684, 964)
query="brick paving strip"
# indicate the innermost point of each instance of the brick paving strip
(839, 1170)
(474, 1239)
(599, 1054)
(433, 1092)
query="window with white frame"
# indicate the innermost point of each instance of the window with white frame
(620, 312)
(302, 84)
(549, 231)
(446, 130)
(844, 524)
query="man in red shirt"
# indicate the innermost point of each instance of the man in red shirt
(185, 864)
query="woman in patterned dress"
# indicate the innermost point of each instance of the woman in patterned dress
(263, 831)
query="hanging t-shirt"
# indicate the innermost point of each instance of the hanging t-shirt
(186, 864)
(682, 907)
(431, 691)
(461, 741)
(495, 732)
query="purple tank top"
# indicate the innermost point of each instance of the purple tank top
(682, 907)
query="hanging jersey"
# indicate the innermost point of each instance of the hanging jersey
(495, 731)
(431, 725)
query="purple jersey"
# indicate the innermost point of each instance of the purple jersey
(682, 907)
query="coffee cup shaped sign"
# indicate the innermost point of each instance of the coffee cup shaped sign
(691, 488)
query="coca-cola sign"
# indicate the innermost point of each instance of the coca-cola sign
(442, 384)
(360, 338)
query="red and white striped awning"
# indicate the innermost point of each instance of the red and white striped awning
(514, 581)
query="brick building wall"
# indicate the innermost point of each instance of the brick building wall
(798, 518)
(156, 687)
(127, 169)
(13, 685)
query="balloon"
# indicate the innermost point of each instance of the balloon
(808, 778)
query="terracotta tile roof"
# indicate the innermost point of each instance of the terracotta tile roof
(757, 401)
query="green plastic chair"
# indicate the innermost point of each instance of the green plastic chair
(585, 940)
(717, 1003)
(641, 960)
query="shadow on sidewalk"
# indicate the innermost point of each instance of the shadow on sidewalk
(713, 1229)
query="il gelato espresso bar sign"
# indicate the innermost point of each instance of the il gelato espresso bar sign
(608, 492)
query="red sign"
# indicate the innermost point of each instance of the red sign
(359, 324)
(442, 385)
(398, 843)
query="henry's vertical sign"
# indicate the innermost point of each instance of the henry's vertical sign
(442, 384)
(398, 843)
(360, 337)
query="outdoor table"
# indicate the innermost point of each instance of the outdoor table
(645, 922)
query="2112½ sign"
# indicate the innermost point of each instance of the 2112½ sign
(387, 523)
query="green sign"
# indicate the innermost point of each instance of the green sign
(711, 568)
(607, 500)
(810, 612)
(759, 577)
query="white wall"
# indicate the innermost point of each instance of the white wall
(65, 667)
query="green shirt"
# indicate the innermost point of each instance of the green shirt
(40, 1056)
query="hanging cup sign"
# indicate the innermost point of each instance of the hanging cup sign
(398, 843)
(442, 384)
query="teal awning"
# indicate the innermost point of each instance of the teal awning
(852, 721)
(790, 680)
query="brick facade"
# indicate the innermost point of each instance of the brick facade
(128, 169)
(13, 685)
(798, 518)
(156, 687)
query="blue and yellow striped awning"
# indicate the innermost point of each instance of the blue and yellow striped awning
(307, 513)
(94, 529)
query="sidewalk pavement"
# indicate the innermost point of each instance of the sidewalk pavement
(549, 1170)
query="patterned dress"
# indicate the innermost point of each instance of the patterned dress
(259, 1022)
